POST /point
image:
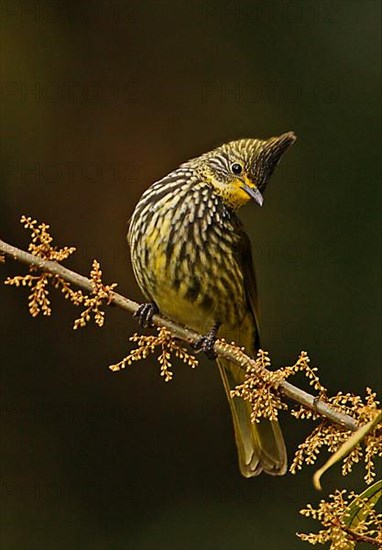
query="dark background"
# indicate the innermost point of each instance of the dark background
(100, 99)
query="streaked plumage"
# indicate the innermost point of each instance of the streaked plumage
(192, 258)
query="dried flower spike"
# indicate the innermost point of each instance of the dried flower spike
(167, 345)
(38, 301)
(340, 529)
(100, 294)
(332, 436)
(40, 246)
(260, 386)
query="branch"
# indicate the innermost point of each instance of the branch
(222, 348)
(359, 537)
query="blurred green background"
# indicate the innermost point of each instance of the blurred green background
(100, 99)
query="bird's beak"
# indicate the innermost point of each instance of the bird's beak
(254, 193)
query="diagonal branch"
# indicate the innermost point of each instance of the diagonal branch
(359, 537)
(222, 348)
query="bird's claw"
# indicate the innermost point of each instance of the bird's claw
(206, 343)
(145, 313)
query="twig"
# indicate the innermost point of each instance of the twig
(222, 348)
(359, 537)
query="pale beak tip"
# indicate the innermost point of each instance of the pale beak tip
(255, 194)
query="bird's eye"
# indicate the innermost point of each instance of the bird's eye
(237, 168)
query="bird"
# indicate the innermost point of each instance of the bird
(191, 257)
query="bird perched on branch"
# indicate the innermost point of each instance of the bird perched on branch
(192, 260)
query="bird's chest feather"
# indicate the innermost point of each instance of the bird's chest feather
(186, 259)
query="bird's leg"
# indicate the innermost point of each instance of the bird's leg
(145, 313)
(206, 343)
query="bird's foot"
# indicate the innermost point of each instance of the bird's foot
(206, 343)
(145, 313)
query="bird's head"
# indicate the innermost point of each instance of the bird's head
(240, 170)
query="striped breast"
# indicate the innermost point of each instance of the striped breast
(185, 249)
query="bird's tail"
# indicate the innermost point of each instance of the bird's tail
(261, 446)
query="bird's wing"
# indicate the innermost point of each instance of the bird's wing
(250, 286)
(260, 445)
